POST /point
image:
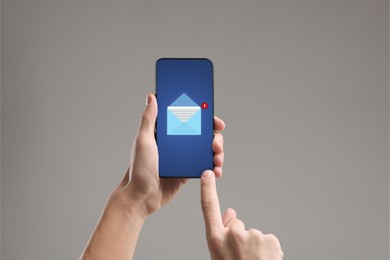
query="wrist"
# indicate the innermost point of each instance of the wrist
(116, 234)
(129, 205)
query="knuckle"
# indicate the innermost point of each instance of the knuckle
(207, 204)
(141, 141)
(256, 234)
(273, 240)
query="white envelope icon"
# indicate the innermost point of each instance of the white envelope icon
(184, 117)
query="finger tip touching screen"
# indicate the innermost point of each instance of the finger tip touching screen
(184, 127)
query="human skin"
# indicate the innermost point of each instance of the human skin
(226, 235)
(140, 193)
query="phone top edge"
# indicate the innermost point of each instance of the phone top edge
(193, 58)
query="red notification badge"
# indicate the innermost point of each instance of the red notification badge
(205, 105)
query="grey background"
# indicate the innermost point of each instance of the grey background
(302, 85)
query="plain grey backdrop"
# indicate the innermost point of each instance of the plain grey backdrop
(302, 85)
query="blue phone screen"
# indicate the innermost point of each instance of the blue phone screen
(184, 134)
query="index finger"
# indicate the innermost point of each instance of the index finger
(210, 203)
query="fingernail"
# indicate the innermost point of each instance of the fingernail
(148, 99)
(207, 174)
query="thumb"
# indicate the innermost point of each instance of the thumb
(210, 203)
(149, 116)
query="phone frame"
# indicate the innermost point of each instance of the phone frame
(155, 128)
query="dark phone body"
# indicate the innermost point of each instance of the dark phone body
(185, 121)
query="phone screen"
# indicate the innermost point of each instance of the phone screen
(184, 135)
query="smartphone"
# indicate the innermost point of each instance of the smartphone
(185, 120)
